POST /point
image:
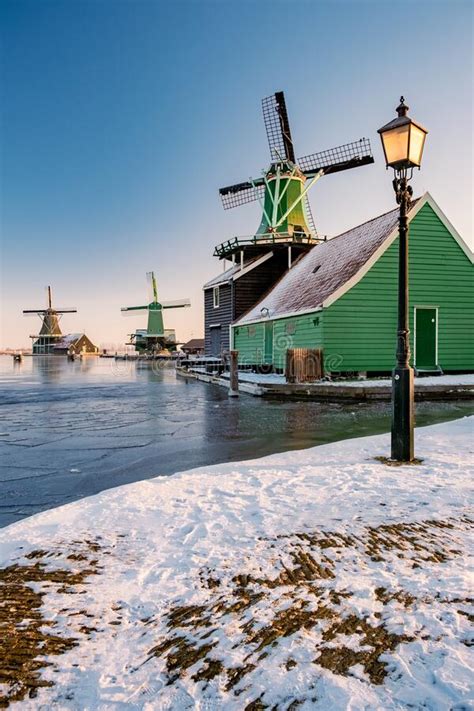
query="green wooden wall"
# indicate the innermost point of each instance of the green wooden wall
(249, 341)
(360, 327)
(358, 331)
(304, 331)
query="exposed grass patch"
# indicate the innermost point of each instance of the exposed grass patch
(26, 637)
(298, 596)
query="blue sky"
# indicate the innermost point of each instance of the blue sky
(121, 119)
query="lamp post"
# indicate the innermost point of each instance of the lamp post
(403, 140)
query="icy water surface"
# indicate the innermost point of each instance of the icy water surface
(69, 430)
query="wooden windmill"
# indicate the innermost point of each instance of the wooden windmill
(282, 191)
(155, 337)
(50, 332)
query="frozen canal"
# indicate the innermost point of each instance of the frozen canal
(69, 430)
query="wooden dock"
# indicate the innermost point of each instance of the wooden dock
(335, 391)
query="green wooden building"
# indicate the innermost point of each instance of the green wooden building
(342, 297)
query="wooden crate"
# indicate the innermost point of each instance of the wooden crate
(304, 365)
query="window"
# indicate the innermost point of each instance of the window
(216, 297)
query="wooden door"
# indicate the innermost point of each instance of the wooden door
(268, 347)
(216, 341)
(426, 335)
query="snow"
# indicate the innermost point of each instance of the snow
(314, 579)
(424, 381)
(420, 382)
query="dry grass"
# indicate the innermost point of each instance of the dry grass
(308, 602)
(26, 637)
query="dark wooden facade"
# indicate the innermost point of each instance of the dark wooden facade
(217, 320)
(239, 291)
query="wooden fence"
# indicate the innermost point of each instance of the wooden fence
(304, 365)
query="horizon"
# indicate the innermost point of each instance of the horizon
(117, 133)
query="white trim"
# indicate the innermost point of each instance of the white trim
(216, 290)
(252, 265)
(433, 308)
(290, 314)
(426, 199)
(449, 226)
(215, 325)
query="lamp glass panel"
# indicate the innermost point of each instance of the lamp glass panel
(417, 140)
(395, 142)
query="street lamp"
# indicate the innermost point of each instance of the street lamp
(403, 141)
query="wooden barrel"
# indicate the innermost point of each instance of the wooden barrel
(304, 365)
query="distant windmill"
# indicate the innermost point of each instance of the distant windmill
(50, 332)
(282, 191)
(155, 338)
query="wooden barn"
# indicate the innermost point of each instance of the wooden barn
(342, 297)
(74, 344)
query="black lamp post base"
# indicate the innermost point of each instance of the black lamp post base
(403, 449)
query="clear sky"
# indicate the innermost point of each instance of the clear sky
(121, 119)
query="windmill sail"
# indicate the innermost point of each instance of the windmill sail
(349, 155)
(309, 216)
(277, 126)
(178, 304)
(241, 193)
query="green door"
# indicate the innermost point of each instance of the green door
(268, 350)
(425, 338)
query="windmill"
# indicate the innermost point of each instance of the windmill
(282, 191)
(155, 337)
(50, 332)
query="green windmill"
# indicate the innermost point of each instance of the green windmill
(282, 191)
(155, 337)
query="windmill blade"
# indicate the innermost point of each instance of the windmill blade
(241, 193)
(152, 289)
(141, 309)
(349, 155)
(309, 215)
(70, 310)
(277, 126)
(180, 303)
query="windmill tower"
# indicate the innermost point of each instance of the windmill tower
(50, 332)
(282, 190)
(155, 337)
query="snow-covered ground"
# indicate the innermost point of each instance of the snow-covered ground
(318, 579)
(424, 381)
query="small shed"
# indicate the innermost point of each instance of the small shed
(342, 297)
(75, 343)
(194, 347)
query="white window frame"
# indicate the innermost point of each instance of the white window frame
(216, 293)
(420, 307)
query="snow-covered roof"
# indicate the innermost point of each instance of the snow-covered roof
(223, 277)
(325, 269)
(236, 270)
(68, 340)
